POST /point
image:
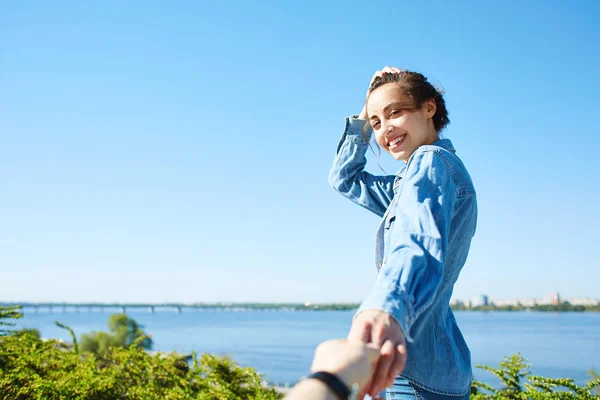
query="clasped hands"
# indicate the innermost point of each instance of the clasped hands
(372, 356)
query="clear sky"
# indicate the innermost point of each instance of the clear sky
(179, 151)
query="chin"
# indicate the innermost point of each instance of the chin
(399, 156)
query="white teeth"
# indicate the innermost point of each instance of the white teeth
(395, 141)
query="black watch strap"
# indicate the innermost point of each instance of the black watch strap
(333, 382)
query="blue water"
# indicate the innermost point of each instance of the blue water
(280, 344)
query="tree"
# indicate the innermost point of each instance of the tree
(123, 332)
(12, 312)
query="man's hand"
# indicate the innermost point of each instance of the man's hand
(379, 328)
(352, 361)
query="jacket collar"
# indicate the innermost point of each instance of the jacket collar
(445, 144)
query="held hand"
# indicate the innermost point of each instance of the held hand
(388, 70)
(381, 329)
(352, 361)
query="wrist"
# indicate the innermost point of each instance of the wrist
(363, 114)
(311, 389)
(335, 384)
(357, 130)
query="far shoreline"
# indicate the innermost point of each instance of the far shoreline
(190, 307)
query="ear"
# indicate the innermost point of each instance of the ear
(429, 108)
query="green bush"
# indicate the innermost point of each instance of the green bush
(34, 369)
(518, 383)
(595, 376)
(124, 331)
(8, 313)
(27, 331)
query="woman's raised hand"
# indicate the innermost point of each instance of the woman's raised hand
(387, 70)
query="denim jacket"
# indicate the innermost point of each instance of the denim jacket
(429, 215)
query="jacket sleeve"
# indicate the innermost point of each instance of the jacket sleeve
(347, 174)
(413, 271)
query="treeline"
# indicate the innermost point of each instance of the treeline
(565, 306)
(561, 307)
(282, 306)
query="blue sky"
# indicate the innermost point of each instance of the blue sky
(158, 151)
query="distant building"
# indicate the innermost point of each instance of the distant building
(457, 303)
(555, 298)
(580, 301)
(480, 301)
(528, 302)
(505, 302)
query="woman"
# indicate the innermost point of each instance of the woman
(429, 212)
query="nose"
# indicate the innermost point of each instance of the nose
(388, 129)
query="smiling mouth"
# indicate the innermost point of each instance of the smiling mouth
(396, 142)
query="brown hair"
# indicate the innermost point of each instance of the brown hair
(418, 88)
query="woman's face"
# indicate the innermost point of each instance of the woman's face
(400, 127)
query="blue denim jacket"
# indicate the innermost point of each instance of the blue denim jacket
(429, 212)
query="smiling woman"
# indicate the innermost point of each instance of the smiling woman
(429, 211)
(404, 102)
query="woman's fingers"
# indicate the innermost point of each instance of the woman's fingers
(390, 70)
(399, 361)
(360, 331)
(375, 75)
(383, 71)
(382, 372)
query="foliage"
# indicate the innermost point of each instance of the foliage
(27, 331)
(31, 368)
(124, 331)
(594, 375)
(75, 346)
(512, 372)
(12, 312)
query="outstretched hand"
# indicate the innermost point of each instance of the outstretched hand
(352, 361)
(382, 330)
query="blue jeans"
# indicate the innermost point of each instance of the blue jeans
(402, 389)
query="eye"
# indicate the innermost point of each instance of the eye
(375, 124)
(395, 111)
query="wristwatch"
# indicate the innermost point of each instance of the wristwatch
(336, 385)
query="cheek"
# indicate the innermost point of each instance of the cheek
(417, 124)
(380, 140)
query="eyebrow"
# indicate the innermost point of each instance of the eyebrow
(388, 107)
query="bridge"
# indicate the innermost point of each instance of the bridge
(50, 307)
(102, 307)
